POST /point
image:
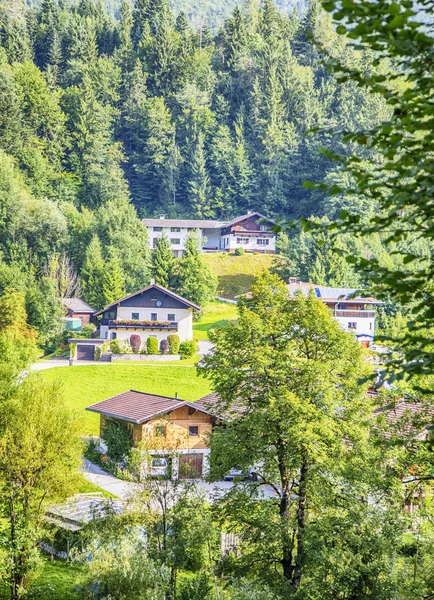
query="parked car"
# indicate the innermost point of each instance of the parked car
(240, 473)
(158, 466)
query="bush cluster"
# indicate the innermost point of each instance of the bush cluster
(174, 343)
(188, 349)
(152, 345)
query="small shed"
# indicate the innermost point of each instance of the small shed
(84, 349)
(77, 309)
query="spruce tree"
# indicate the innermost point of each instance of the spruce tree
(113, 286)
(196, 281)
(163, 263)
(199, 183)
(93, 275)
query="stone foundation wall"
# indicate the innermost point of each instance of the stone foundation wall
(147, 357)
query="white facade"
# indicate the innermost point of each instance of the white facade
(215, 235)
(359, 326)
(250, 243)
(183, 317)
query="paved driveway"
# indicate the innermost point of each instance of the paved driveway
(125, 489)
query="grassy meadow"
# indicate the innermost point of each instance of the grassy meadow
(236, 273)
(215, 315)
(86, 385)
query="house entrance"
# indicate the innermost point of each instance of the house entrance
(190, 466)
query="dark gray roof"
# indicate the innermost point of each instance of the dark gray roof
(139, 407)
(195, 223)
(77, 305)
(150, 287)
(326, 293)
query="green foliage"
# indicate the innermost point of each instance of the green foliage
(118, 439)
(151, 345)
(174, 343)
(196, 281)
(293, 401)
(239, 251)
(115, 346)
(40, 451)
(188, 348)
(163, 263)
(198, 588)
(98, 353)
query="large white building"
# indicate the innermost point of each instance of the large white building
(353, 312)
(252, 232)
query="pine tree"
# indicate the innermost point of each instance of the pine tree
(163, 263)
(199, 183)
(113, 287)
(139, 18)
(93, 275)
(196, 281)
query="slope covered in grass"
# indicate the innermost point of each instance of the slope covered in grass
(237, 273)
(86, 385)
(215, 315)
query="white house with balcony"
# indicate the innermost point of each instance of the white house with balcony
(153, 311)
(353, 312)
(253, 232)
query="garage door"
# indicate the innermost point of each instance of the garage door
(190, 466)
(85, 352)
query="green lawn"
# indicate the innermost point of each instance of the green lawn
(217, 314)
(89, 384)
(58, 581)
(236, 273)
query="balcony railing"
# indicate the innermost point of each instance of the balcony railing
(367, 314)
(131, 324)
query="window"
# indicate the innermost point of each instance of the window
(193, 430)
(191, 228)
(352, 325)
(175, 241)
(262, 242)
(171, 317)
(157, 228)
(370, 325)
(175, 229)
(154, 317)
(135, 316)
(242, 240)
(263, 228)
(160, 431)
(109, 315)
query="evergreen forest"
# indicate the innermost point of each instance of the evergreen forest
(108, 116)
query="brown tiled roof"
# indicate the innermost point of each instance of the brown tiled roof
(149, 287)
(247, 216)
(139, 407)
(406, 419)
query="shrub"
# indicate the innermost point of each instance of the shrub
(174, 343)
(164, 346)
(135, 343)
(87, 331)
(119, 441)
(198, 588)
(239, 251)
(115, 347)
(152, 345)
(98, 352)
(188, 349)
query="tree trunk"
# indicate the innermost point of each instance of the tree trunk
(287, 540)
(301, 515)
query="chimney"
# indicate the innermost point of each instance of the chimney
(249, 212)
(292, 280)
(152, 282)
(162, 217)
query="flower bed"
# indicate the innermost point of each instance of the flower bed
(133, 323)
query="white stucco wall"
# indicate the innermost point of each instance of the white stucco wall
(184, 318)
(364, 325)
(229, 242)
(183, 235)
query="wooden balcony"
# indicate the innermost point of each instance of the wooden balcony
(144, 325)
(357, 314)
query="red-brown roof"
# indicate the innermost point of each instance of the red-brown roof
(150, 287)
(139, 407)
(406, 419)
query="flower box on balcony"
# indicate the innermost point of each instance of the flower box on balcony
(150, 324)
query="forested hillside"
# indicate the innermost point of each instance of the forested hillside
(105, 120)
